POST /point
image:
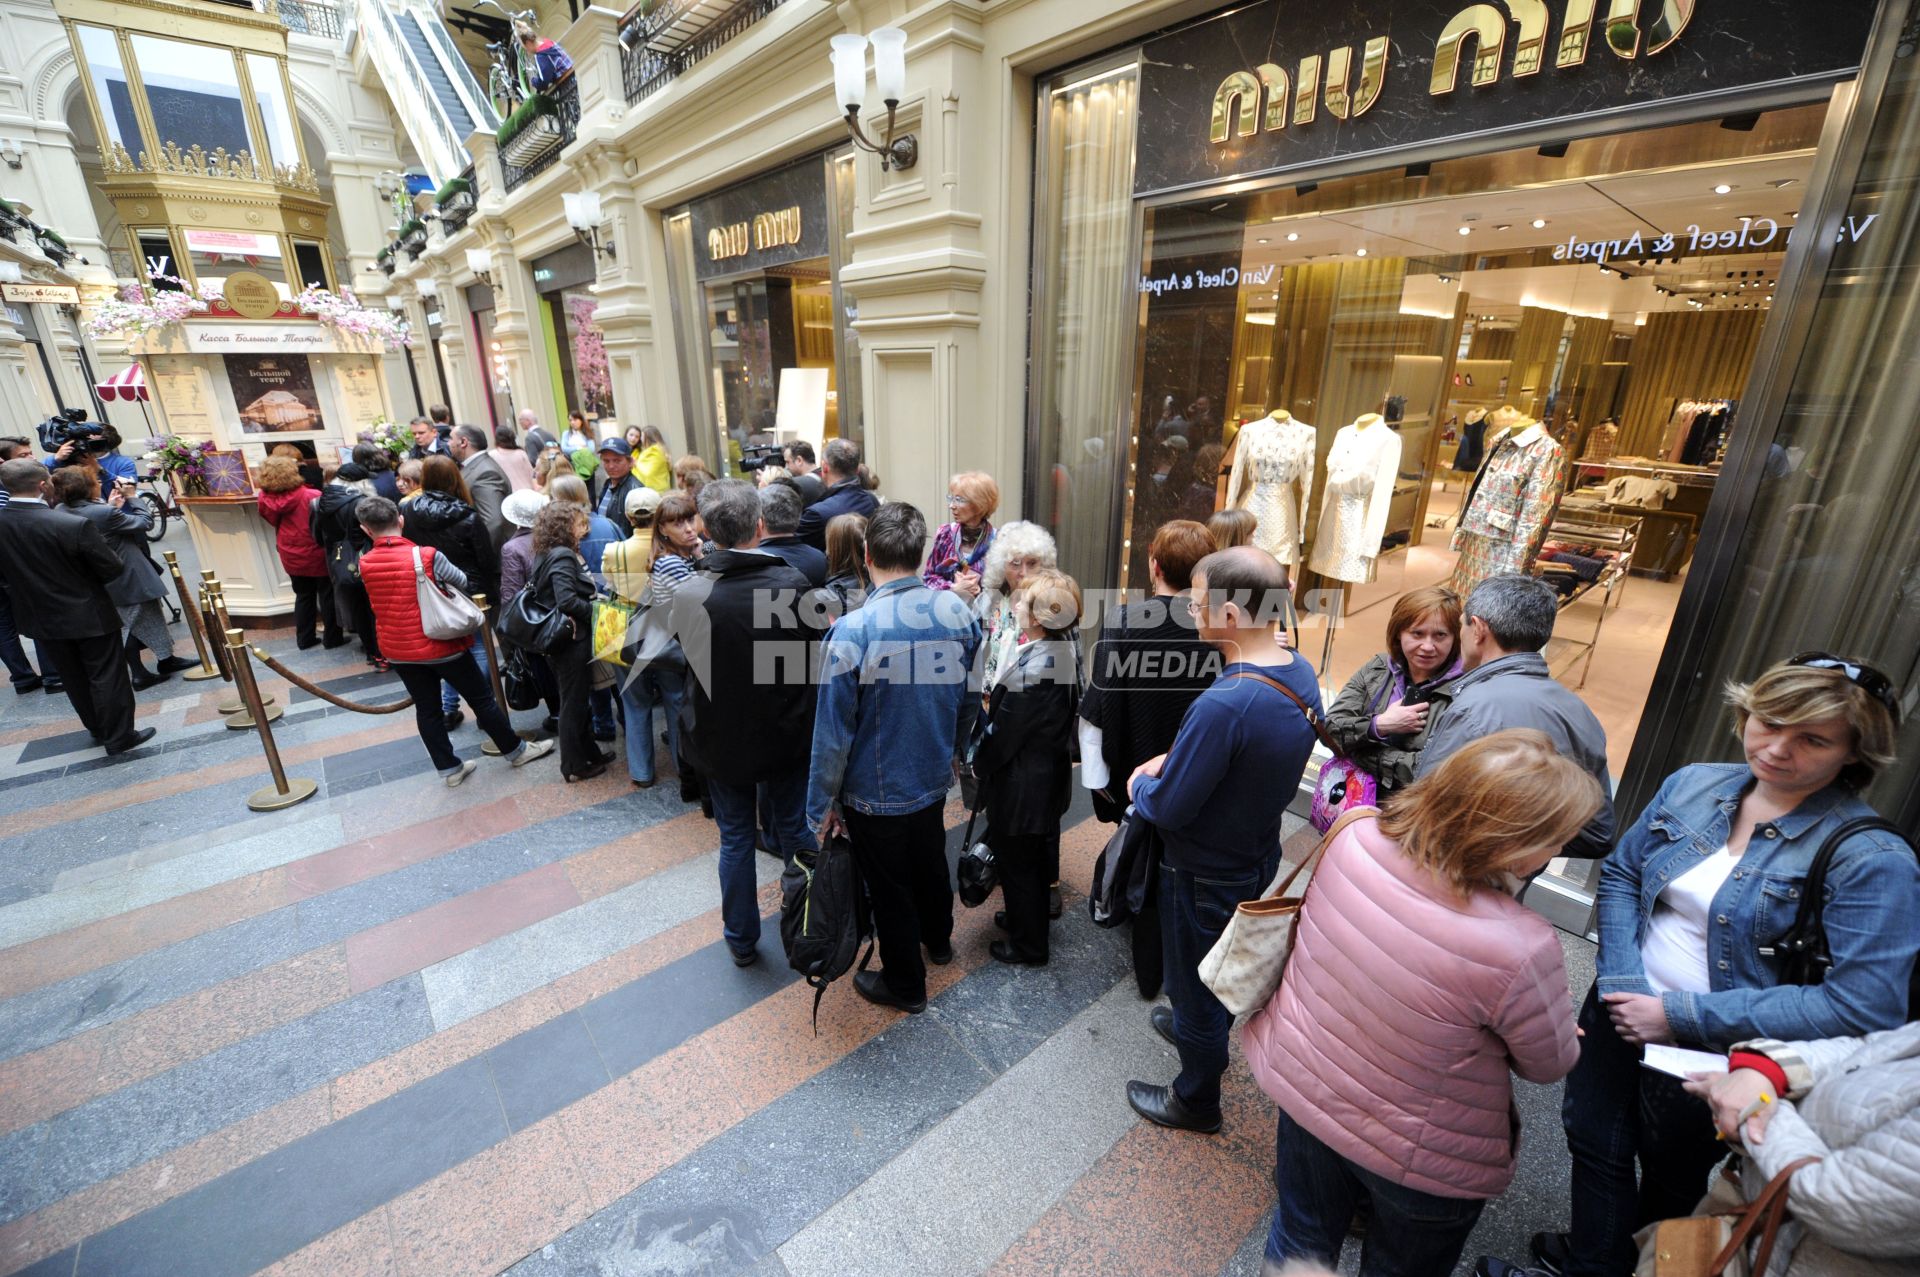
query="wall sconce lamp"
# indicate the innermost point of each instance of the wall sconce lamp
(480, 262)
(427, 286)
(889, 77)
(396, 303)
(583, 214)
(10, 152)
(10, 272)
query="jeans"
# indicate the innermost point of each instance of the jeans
(1614, 1112)
(423, 682)
(639, 693)
(449, 695)
(1410, 1233)
(903, 860)
(12, 654)
(313, 602)
(733, 812)
(600, 710)
(1193, 913)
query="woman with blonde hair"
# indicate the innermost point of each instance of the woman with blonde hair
(1382, 716)
(962, 544)
(690, 474)
(847, 561)
(1231, 528)
(1693, 901)
(651, 461)
(1417, 984)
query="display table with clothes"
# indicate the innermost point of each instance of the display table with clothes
(231, 538)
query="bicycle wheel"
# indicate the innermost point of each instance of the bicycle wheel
(158, 528)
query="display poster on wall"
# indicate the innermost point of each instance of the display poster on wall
(359, 381)
(178, 387)
(274, 394)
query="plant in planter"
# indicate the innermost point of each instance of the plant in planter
(413, 237)
(53, 246)
(133, 312)
(384, 260)
(344, 312)
(455, 200)
(531, 131)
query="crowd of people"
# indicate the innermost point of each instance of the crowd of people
(826, 663)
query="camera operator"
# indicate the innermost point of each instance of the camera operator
(71, 439)
(13, 654)
(57, 567)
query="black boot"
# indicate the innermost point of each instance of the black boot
(139, 674)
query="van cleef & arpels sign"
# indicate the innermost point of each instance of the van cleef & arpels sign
(1273, 86)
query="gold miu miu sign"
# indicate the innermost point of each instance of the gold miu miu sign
(767, 230)
(1265, 98)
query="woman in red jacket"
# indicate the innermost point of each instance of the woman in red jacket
(287, 503)
(1417, 984)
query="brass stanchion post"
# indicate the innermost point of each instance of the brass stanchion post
(195, 624)
(211, 624)
(240, 715)
(283, 792)
(493, 673)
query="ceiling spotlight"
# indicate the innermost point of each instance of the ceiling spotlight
(1262, 241)
(1466, 230)
(1292, 236)
(1723, 189)
(1782, 183)
(1539, 223)
(1359, 252)
(1503, 227)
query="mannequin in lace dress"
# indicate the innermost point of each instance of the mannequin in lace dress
(1272, 480)
(1361, 468)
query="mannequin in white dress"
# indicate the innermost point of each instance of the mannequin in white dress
(1361, 468)
(1272, 459)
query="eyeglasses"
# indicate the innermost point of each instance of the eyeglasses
(954, 501)
(1865, 677)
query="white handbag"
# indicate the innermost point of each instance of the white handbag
(1245, 964)
(444, 613)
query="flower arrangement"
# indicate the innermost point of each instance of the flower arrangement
(134, 312)
(389, 435)
(589, 353)
(183, 460)
(343, 311)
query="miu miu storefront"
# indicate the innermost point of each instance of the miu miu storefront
(1327, 263)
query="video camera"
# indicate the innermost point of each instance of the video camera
(756, 455)
(70, 426)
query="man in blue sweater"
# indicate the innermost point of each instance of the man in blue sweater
(1217, 798)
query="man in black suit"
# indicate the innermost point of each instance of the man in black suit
(57, 567)
(486, 481)
(846, 493)
(802, 466)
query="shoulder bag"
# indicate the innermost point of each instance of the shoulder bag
(1124, 872)
(444, 613)
(1342, 786)
(1712, 1242)
(1802, 949)
(527, 623)
(1245, 965)
(977, 873)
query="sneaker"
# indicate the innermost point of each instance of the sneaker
(1550, 1252)
(458, 774)
(530, 750)
(1494, 1266)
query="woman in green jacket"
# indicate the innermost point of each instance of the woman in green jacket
(1382, 716)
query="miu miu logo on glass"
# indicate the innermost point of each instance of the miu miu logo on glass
(1266, 98)
(767, 230)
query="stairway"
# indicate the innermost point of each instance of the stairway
(436, 75)
(434, 95)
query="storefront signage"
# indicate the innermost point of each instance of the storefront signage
(274, 394)
(1271, 86)
(59, 294)
(251, 294)
(1753, 233)
(178, 388)
(220, 338)
(1175, 281)
(224, 244)
(765, 231)
(772, 220)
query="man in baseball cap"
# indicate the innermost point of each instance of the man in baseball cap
(615, 480)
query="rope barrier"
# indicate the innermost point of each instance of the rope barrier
(315, 690)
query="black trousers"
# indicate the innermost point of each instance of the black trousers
(1028, 865)
(578, 749)
(904, 862)
(313, 601)
(94, 670)
(463, 672)
(359, 608)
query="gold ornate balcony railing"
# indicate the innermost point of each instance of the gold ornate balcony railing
(194, 162)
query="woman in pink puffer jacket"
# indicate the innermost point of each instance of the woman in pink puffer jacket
(1417, 982)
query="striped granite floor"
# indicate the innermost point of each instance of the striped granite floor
(405, 1030)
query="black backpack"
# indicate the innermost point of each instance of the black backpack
(1802, 949)
(824, 916)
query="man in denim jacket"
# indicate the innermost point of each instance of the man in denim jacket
(896, 706)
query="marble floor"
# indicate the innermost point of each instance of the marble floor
(401, 1029)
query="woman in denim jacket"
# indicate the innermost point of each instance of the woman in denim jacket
(1709, 876)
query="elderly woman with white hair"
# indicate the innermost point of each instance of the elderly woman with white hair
(1018, 549)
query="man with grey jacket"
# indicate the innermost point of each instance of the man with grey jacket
(1506, 622)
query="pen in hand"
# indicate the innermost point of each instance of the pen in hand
(1746, 1113)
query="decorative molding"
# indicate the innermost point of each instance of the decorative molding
(197, 163)
(41, 106)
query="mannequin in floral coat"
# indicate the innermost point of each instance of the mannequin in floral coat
(1509, 505)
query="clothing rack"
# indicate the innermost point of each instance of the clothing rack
(1619, 533)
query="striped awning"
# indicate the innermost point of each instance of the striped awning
(130, 384)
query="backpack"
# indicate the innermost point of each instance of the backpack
(824, 916)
